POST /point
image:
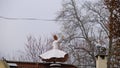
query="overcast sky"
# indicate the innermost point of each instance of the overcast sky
(13, 33)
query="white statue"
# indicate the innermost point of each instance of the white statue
(55, 52)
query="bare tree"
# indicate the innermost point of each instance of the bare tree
(78, 27)
(114, 33)
(84, 25)
(34, 47)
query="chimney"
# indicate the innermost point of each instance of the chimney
(101, 57)
(101, 61)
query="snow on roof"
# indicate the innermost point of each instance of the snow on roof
(12, 64)
(55, 64)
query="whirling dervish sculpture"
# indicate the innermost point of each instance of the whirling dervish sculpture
(55, 54)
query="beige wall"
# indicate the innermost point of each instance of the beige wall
(101, 63)
(3, 64)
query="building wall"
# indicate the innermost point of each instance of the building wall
(3, 64)
(101, 62)
(38, 65)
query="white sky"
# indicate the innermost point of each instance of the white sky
(13, 33)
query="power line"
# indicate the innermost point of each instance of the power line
(10, 18)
